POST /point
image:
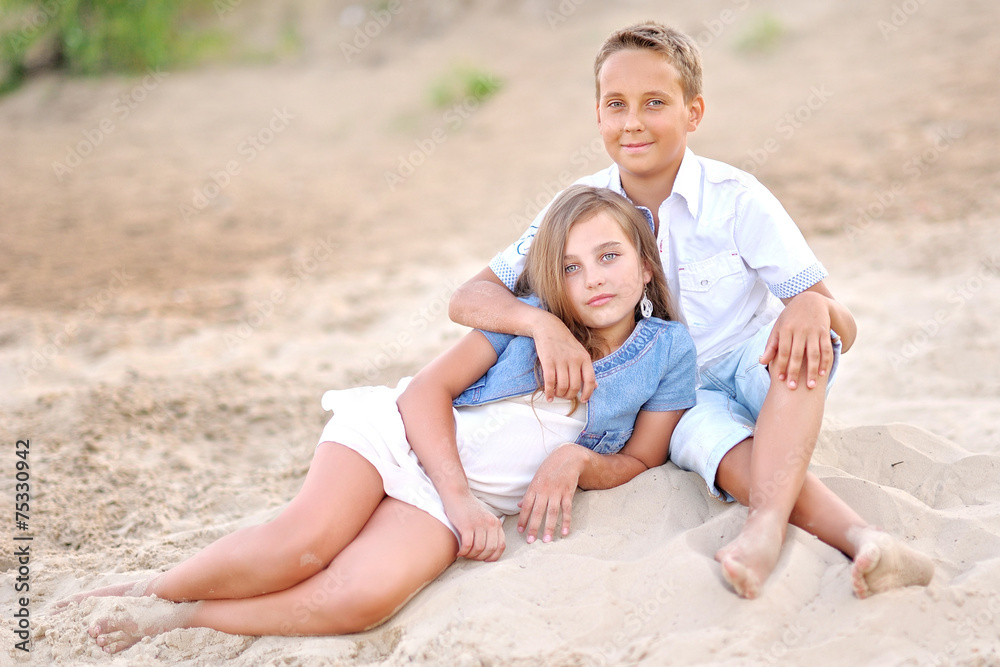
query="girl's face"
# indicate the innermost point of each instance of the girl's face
(604, 277)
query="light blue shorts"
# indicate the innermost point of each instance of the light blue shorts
(730, 393)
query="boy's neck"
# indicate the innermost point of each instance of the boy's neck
(650, 192)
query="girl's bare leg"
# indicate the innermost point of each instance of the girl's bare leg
(399, 551)
(880, 562)
(340, 492)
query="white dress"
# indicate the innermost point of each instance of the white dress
(501, 444)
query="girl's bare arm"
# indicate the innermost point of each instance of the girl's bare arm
(426, 408)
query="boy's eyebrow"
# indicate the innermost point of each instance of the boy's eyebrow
(648, 93)
(602, 248)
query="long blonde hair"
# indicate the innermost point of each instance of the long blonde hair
(543, 271)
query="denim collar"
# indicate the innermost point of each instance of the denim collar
(640, 337)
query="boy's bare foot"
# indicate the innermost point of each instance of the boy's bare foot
(122, 629)
(128, 589)
(883, 563)
(748, 560)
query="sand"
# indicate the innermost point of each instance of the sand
(175, 304)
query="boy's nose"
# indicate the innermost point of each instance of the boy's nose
(632, 123)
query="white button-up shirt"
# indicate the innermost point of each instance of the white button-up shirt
(728, 248)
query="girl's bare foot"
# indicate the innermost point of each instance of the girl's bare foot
(883, 563)
(748, 560)
(121, 629)
(128, 589)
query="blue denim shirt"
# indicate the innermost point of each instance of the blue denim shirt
(653, 370)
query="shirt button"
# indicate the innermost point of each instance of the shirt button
(704, 282)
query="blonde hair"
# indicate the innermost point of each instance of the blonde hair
(680, 50)
(543, 270)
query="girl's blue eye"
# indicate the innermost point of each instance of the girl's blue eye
(608, 256)
(570, 268)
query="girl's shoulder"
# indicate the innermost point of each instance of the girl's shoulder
(669, 328)
(670, 335)
(653, 340)
(663, 324)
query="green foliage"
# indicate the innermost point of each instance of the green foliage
(464, 82)
(762, 35)
(290, 40)
(95, 36)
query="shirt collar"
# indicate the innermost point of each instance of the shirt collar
(687, 183)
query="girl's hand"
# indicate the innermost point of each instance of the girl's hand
(551, 491)
(801, 334)
(480, 531)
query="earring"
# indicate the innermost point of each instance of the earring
(645, 305)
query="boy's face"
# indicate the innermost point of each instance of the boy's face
(642, 115)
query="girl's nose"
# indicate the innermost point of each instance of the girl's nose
(595, 278)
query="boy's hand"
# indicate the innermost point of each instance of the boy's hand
(567, 369)
(801, 333)
(551, 491)
(480, 531)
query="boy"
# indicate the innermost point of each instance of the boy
(752, 294)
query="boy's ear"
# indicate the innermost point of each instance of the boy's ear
(696, 111)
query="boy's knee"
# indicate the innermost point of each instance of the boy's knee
(776, 384)
(773, 376)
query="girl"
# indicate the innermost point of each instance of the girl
(406, 480)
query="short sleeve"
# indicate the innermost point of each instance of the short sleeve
(676, 390)
(770, 243)
(499, 341)
(509, 263)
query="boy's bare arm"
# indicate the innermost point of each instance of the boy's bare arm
(800, 338)
(484, 302)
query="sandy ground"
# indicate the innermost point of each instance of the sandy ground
(189, 259)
